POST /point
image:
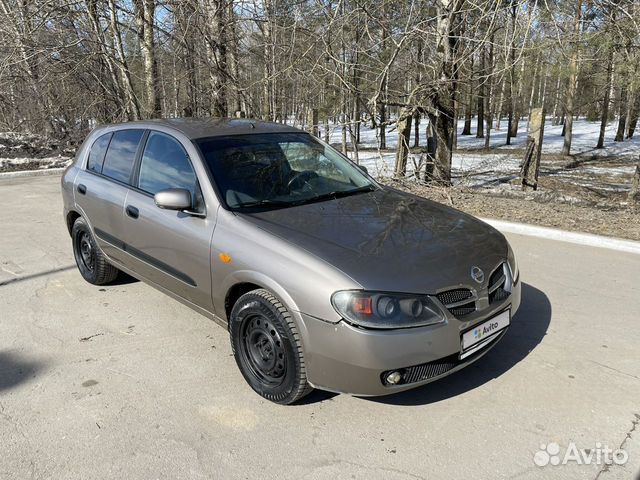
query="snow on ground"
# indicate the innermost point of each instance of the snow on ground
(14, 164)
(585, 137)
(474, 166)
(583, 142)
(6, 162)
(19, 151)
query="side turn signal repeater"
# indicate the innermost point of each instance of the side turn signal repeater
(224, 258)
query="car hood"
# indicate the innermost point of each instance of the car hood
(389, 240)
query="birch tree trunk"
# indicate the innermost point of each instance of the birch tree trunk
(556, 102)
(500, 104)
(268, 112)
(382, 132)
(512, 72)
(101, 43)
(443, 101)
(466, 130)
(217, 54)
(605, 101)
(482, 79)
(573, 83)
(490, 105)
(622, 112)
(145, 19)
(233, 61)
(404, 134)
(133, 105)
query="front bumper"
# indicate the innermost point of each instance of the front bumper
(342, 358)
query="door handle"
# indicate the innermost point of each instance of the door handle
(132, 211)
(82, 188)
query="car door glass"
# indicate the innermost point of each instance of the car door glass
(96, 154)
(165, 164)
(121, 154)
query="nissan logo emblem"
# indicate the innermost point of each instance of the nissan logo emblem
(477, 274)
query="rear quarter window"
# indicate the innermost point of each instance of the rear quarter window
(121, 154)
(96, 154)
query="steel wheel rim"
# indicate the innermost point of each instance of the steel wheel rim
(263, 350)
(87, 253)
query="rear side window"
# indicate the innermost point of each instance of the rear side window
(121, 154)
(96, 154)
(165, 164)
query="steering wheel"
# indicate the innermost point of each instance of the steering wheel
(300, 178)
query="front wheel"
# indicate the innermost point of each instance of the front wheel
(267, 348)
(90, 260)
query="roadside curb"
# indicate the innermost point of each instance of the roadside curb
(32, 173)
(587, 239)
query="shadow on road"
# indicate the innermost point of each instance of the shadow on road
(123, 279)
(36, 275)
(15, 370)
(528, 329)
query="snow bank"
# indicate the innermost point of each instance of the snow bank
(19, 151)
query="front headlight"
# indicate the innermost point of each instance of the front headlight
(513, 265)
(386, 310)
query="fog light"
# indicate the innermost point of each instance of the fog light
(394, 378)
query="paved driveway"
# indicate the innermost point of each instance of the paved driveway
(123, 382)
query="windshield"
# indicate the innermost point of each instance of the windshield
(279, 170)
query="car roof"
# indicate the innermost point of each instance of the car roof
(195, 128)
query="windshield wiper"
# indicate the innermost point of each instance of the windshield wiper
(337, 194)
(265, 202)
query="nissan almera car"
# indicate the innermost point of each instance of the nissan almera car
(323, 277)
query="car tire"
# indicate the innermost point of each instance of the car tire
(267, 347)
(90, 260)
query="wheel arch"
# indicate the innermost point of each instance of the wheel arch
(72, 216)
(241, 282)
(235, 292)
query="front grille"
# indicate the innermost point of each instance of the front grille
(463, 310)
(455, 302)
(462, 301)
(454, 296)
(498, 276)
(499, 295)
(497, 284)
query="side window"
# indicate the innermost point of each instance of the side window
(165, 164)
(121, 154)
(96, 154)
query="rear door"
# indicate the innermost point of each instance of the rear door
(102, 187)
(170, 248)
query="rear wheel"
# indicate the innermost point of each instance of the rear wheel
(90, 260)
(267, 348)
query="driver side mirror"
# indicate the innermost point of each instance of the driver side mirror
(173, 199)
(363, 168)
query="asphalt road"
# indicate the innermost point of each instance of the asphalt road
(124, 382)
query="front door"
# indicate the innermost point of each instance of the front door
(169, 248)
